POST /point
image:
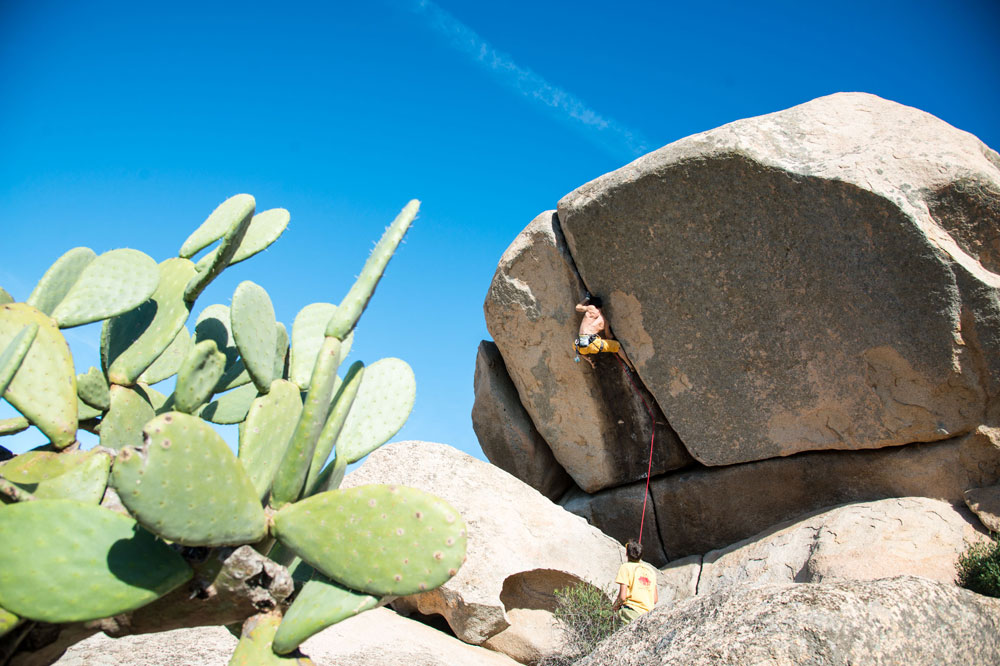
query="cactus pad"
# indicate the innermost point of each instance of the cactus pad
(65, 561)
(130, 410)
(216, 262)
(33, 467)
(13, 354)
(235, 375)
(92, 387)
(266, 432)
(7, 621)
(319, 604)
(350, 309)
(76, 475)
(85, 412)
(141, 337)
(384, 402)
(13, 425)
(231, 407)
(169, 362)
(307, 338)
(280, 350)
(213, 323)
(5, 297)
(44, 388)
(156, 399)
(376, 539)
(265, 228)
(256, 644)
(229, 212)
(294, 467)
(113, 283)
(198, 376)
(342, 402)
(254, 330)
(56, 283)
(187, 486)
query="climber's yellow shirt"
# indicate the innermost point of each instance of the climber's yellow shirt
(639, 579)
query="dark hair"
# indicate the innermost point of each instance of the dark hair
(595, 301)
(633, 550)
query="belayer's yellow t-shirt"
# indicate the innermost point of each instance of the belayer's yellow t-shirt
(640, 581)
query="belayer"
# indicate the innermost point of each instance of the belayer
(637, 593)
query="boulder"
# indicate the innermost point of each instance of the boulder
(505, 431)
(904, 620)
(619, 514)
(199, 646)
(678, 580)
(521, 546)
(532, 635)
(373, 638)
(913, 536)
(381, 637)
(593, 419)
(985, 503)
(711, 508)
(819, 278)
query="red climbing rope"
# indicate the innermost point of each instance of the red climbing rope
(652, 439)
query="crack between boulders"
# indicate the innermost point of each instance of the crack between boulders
(659, 531)
(701, 570)
(563, 242)
(970, 337)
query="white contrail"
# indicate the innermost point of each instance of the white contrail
(603, 131)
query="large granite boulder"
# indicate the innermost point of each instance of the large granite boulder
(505, 431)
(521, 546)
(710, 508)
(593, 419)
(985, 503)
(375, 638)
(381, 636)
(904, 620)
(199, 646)
(619, 513)
(823, 277)
(914, 536)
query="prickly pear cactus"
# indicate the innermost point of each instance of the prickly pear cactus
(163, 502)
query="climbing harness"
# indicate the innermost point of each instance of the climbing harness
(652, 440)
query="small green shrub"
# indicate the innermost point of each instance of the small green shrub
(586, 617)
(979, 567)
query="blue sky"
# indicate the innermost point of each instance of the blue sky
(123, 124)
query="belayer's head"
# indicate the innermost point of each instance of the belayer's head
(595, 301)
(633, 551)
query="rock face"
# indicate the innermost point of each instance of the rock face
(905, 620)
(913, 536)
(985, 503)
(201, 646)
(505, 431)
(381, 637)
(679, 580)
(711, 508)
(374, 638)
(818, 278)
(618, 513)
(521, 546)
(594, 421)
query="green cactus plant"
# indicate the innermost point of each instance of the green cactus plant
(154, 517)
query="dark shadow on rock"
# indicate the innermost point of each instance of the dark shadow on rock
(625, 398)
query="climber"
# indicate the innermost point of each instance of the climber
(589, 341)
(637, 593)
